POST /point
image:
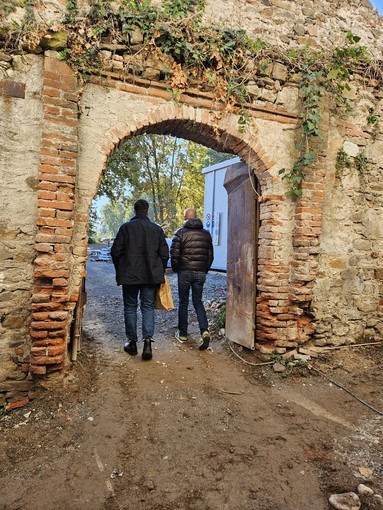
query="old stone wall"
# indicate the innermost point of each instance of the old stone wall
(20, 128)
(320, 264)
(317, 24)
(348, 294)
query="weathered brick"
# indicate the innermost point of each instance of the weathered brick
(47, 360)
(45, 342)
(44, 247)
(40, 316)
(60, 282)
(68, 206)
(38, 370)
(51, 92)
(39, 351)
(56, 367)
(59, 177)
(54, 222)
(16, 403)
(49, 213)
(46, 325)
(57, 349)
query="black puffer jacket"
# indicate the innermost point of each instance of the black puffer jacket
(140, 252)
(191, 248)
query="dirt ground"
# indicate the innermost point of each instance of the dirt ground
(190, 429)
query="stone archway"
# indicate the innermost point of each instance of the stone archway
(83, 130)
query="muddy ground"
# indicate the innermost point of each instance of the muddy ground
(190, 429)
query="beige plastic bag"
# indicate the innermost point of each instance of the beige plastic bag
(164, 298)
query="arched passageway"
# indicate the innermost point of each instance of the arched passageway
(112, 112)
(319, 273)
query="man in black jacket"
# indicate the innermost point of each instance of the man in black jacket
(140, 254)
(191, 254)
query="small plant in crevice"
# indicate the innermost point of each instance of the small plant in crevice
(287, 363)
(373, 122)
(343, 161)
(278, 358)
(361, 162)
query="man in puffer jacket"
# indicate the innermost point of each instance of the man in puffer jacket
(191, 254)
(140, 254)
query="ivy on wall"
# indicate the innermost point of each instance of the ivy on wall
(221, 61)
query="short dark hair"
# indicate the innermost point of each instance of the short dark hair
(141, 206)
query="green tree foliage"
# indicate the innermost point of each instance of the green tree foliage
(164, 170)
(113, 215)
(92, 224)
(213, 157)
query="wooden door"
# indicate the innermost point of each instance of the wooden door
(243, 219)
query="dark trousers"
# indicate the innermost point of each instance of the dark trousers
(130, 295)
(195, 281)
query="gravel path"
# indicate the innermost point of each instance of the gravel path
(106, 299)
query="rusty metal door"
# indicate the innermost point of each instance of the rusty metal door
(243, 220)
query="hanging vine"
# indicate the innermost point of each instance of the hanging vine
(221, 61)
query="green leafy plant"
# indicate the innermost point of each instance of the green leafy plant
(289, 364)
(316, 79)
(373, 122)
(178, 9)
(71, 11)
(220, 318)
(342, 161)
(311, 91)
(361, 162)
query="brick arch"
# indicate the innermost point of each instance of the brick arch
(64, 200)
(200, 125)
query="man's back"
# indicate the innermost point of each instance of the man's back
(191, 248)
(191, 255)
(140, 252)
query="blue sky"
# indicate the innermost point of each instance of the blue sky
(378, 4)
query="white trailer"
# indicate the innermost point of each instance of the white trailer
(216, 208)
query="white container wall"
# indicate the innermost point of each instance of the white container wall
(216, 209)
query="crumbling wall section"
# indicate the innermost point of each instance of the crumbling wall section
(21, 114)
(348, 294)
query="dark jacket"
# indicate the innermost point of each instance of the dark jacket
(191, 248)
(140, 252)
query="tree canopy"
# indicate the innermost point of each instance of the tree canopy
(165, 170)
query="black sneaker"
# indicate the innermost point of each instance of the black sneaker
(147, 351)
(205, 341)
(131, 347)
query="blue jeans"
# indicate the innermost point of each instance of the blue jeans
(195, 281)
(130, 296)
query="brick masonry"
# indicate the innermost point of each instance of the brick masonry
(52, 301)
